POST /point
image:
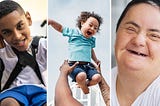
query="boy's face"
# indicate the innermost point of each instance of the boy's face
(90, 27)
(14, 28)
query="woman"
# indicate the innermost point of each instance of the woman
(136, 79)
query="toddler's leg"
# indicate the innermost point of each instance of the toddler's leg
(9, 102)
(81, 80)
(95, 80)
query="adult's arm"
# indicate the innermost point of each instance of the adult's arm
(105, 91)
(63, 94)
(104, 88)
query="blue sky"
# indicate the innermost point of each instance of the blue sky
(66, 13)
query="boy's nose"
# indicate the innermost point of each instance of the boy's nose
(17, 34)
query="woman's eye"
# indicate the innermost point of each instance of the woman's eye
(131, 29)
(155, 37)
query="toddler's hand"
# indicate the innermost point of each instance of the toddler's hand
(98, 62)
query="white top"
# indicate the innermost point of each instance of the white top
(27, 76)
(150, 97)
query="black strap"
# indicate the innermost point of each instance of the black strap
(1, 69)
(13, 75)
(24, 58)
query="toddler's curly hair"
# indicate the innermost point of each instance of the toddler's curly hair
(85, 15)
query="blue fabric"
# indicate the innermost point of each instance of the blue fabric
(87, 68)
(79, 46)
(29, 95)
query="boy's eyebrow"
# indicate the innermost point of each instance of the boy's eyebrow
(19, 22)
(15, 25)
(4, 30)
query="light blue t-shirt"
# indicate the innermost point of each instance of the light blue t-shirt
(79, 46)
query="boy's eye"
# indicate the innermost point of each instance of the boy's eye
(20, 26)
(6, 33)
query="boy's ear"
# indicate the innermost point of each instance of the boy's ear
(28, 17)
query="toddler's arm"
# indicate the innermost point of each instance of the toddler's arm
(55, 25)
(94, 57)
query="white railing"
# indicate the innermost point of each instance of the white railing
(94, 98)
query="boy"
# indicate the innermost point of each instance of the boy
(27, 89)
(81, 44)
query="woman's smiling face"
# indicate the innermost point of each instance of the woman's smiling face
(138, 38)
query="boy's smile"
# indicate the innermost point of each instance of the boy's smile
(14, 28)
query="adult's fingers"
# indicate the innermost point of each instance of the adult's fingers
(74, 65)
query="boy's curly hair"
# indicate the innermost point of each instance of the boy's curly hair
(8, 6)
(85, 15)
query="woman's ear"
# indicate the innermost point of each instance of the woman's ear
(28, 17)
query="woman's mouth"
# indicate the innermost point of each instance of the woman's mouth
(137, 53)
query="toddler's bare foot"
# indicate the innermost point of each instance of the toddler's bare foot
(85, 89)
(78, 86)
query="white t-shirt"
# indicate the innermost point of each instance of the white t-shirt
(27, 75)
(150, 97)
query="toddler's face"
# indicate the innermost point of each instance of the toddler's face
(14, 28)
(90, 27)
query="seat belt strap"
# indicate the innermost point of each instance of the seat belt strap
(13, 75)
(1, 69)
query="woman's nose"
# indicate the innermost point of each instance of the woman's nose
(139, 40)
